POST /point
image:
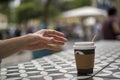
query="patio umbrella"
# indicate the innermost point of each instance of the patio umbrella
(84, 11)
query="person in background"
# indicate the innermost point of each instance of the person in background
(10, 32)
(111, 28)
(31, 29)
(34, 41)
(97, 30)
(1, 36)
(17, 32)
(42, 26)
(58, 26)
(79, 31)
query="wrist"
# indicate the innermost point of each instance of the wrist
(28, 38)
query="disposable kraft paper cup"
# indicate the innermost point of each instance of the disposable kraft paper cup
(84, 56)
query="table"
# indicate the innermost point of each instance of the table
(61, 66)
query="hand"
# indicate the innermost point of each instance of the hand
(44, 38)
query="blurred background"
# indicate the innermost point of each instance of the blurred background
(79, 20)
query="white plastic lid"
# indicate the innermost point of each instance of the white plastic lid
(84, 45)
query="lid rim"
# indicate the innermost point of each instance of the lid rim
(84, 47)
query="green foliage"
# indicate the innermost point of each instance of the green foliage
(30, 10)
(4, 1)
(68, 5)
(27, 11)
(81, 3)
(53, 11)
(34, 9)
(4, 8)
(32, 1)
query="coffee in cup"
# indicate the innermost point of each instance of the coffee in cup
(84, 57)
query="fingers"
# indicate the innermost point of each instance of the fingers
(52, 40)
(53, 32)
(50, 37)
(58, 38)
(52, 47)
(42, 46)
(57, 42)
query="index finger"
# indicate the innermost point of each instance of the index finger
(54, 32)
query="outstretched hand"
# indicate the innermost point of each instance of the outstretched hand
(45, 39)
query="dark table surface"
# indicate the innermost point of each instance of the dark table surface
(61, 66)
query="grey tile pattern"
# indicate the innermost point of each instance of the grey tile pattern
(61, 66)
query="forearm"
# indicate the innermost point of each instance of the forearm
(10, 46)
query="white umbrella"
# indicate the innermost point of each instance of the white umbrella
(84, 11)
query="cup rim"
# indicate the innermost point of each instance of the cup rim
(84, 47)
(85, 42)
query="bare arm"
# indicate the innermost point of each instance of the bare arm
(10, 46)
(36, 41)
